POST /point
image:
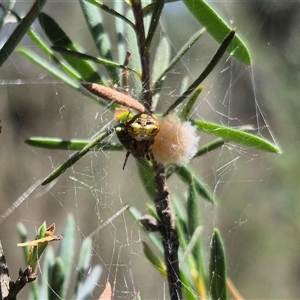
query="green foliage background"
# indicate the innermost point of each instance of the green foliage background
(257, 210)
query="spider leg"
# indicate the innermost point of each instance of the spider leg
(126, 158)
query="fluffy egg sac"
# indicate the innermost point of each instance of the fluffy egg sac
(176, 142)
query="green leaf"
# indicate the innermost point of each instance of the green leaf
(47, 266)
(177, 57)
(20, 30)
(89, 285)
(35, 254)
(23, 237)
(186, 110)
(211, 65)
(236, 136)
(94, 21)
(98, 60)
(154, 259)
(218, 287)
(46, 65)
(157, 10)
(194, 226)
(74, 158)
(67, 250)
(59, 38)
(152, 236)
(210, 147)
(218, 29)
(135, 62)
(147, 177)
(75, 144)
(56, 280)
(111, 11)
(83, 262)
(190, 179)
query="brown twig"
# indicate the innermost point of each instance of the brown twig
(8, 288)
(168, 231)
(163, 201)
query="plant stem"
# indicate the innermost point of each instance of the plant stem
(168, 231)
(144, 54)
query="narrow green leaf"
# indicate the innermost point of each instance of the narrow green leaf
(56, 72)
(23, 237)
(154, 259)
(135, 62)
(236, 136)
(89, 285)
(57, 279)
(20, 30)
(177, 57)
(217, 27)
(210, 147)
(187, 288)
(211, 65)
(218, 287)
(59, 38)
(98, 60)
(152, 236)
(186, 110)
(120, 30)
(43, 63)
(157, 10)
(75, 144)
(47, 50)
(190, 179)
(94, 21)
(111, 11)
(193, 209)
(83, 262)
(74, 158)
(67, 251)
(194, 224)
(48, 263)
(146, 175)
(36, 253)
(161, 60)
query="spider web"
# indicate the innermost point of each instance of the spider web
(96, 188)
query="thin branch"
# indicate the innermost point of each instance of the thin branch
(168, 231)
(8, 288)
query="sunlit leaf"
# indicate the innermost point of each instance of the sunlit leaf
(75, 144)
(20, 30)
(218, 28)
(74, 158)
(186, 110)
(59, 38)
(100, 36)
(177, 57)
(211, 65)
(236, 136)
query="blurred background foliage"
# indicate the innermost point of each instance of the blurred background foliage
(257, 193)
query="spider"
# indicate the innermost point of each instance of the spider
(140, 132)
